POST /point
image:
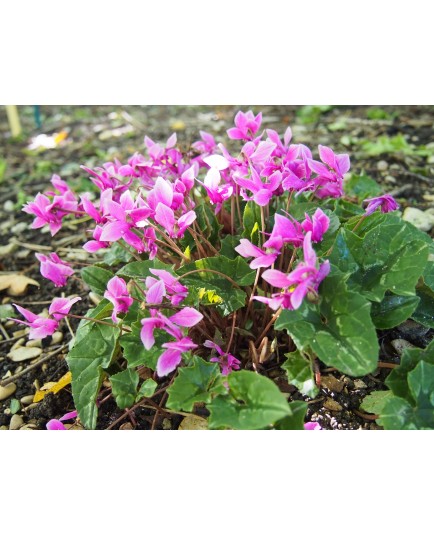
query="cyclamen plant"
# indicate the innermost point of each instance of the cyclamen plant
(218, 265)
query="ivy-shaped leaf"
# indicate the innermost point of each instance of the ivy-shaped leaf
(195, 384)
(147, 389)
(393, 310)
(97, 278)
(124, 387)
(86, 361)
(300, 374)
(254, 402)
(134, 351)
(339, 329)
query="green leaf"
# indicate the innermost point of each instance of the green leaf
(194, 384)
(7, 311)
(255, 402)
(147, 389)
(362, 187)
(374, 403)
(228, 245)
(397, 379)
(97, 278)
(117, 254)
(134, 351)
(295, 421)
(300, 374)
(102, 310)
(124, 387)
(393, 310)
(86, 361)
(339, 329)
(141, 268)
(386, 257)
(345, 210)
(238, 270)
(251, 221)
(397, 414)
(424, 314)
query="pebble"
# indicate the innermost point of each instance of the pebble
(400, 345)
(29, 427)
(17, 344)
(332, 405)
(167, 425)
(359, 384)
(8, 206)
(7, 391)
(21, 332)
(26, 400)
(126, 426)
(23, 354)
(382, 165)
(57, 337)
(34, 343)
(8, 249)
(19, 227)
(332, 383)
(390, 179)
(16, 422)
(422, 220)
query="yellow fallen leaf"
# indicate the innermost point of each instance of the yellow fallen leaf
(193, 422)
(16, 284)
(63, 382)
(60, 136)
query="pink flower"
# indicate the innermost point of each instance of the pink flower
(57, 424)
(165, 216)
(118, 294)
(385, 202)
(305, 278)
(227, 361)
(312, 426)
(262, 192)
(206, 145)
(46, 213)
(166, 285)
(334, 166)
(40, 326)
(170, 359)
(284, 231)
(318, 225)
(246, 126)
(262, 259)
(54, 269)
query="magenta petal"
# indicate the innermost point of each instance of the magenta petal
(168, 361)
(276, 278)
(70, 415)
(55, 424)
(312, 426)
(147, 332)
(247, 249)
(156, 293)
(165, 217)
(187, 317)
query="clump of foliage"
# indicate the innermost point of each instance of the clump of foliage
(217, 266)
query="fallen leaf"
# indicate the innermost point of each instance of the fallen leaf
(52, 388)
(193, 422)
(16, 284)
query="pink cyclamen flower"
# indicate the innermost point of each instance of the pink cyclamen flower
(54, 269)
(319, 224)
(285, 231)
(171, 357)
(246, 126)
(165, 285)
(305, 278)
(262, 259)
(312, 426)
(41, 327)
(228, 362)
(385, 202)
(57, 424)
(118, 294)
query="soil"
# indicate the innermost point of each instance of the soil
(95, 134)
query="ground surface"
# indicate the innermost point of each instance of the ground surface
(91, 135)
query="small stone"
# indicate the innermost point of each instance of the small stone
(360, 384)
(7, 391)
(332, 405)
(34, 343)
(94, 298)
(382, 165)
(8, 206)
(8, 249)
(23, 354)
(21, 332)
(57, 337)
(390, 179)
(19, 227)
(16, 422)
(126, 426)
(332, 384)
(32, 406)
(29, 427)
(167, 425)
(17, 344)
(423, 221)
(26, 400)
(400, 345)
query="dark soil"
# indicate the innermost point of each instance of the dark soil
(96, 134)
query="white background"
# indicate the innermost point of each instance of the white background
(197, 52)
